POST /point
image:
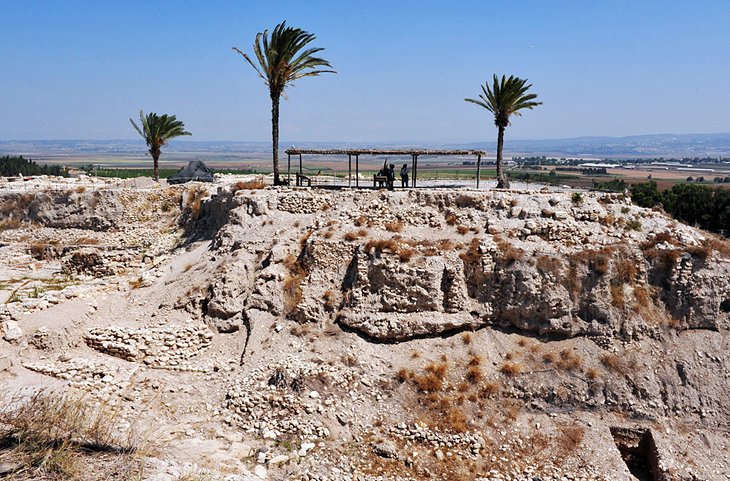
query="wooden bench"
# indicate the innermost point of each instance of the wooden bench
(301, 179)
(379, 178)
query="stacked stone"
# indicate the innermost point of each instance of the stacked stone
(422, 434)
(93, 376)
(273, 401)
(165, 347)
(302, 202)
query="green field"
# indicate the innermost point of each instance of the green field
(164, 173)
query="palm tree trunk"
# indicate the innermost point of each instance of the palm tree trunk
(502, 182)
(156, 166)
(275, 134)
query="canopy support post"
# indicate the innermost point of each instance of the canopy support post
(479, 168)
(349, 170)
(288, 169)
(415, 169)
(357, 170)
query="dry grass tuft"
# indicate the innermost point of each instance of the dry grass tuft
(489, 390)
(474, 374)
(701, 252)
(510, 253)
(451, 219)
(329, 300)
(617, 296)
(292, 286)
(194, 201)
(570, 439)
(466, 338)
(643, 298)
(569, 361)
(404, 375)
(405, 255)
(248, 185)
(718, 244)
(510, 369)
(446, 245)
(473, 253)
(433, 379)
(10, 224)
(84, 240)
(612, 362)
(549, 265)
(626, 270)
(49, 434)
(462, 229)
(394, 226)
(381, 245)
(665, 259)
(353, 236)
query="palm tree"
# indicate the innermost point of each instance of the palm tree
(503, 99)
(156, 131)
(281, 63)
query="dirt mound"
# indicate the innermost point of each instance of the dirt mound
(331, 335)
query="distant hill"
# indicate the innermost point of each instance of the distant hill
(653, 145)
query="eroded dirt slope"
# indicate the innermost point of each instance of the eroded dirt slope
(431, 334)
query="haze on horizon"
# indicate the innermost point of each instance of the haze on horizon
(81, 69)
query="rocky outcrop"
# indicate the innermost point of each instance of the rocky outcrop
(411, 264)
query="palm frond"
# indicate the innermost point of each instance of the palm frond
(282, 57)
(505, 97)
(158, 130)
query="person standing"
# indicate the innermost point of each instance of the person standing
(391, 176)
(404, 176)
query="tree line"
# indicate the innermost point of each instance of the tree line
(694, 204)
(17, 165)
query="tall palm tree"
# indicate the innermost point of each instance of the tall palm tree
(504, 99)
(281, 62)
(156, 131)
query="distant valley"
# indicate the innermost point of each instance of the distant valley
(640, 146)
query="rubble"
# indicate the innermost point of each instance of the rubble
(286, 333)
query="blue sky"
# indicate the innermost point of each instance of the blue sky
(81, 69)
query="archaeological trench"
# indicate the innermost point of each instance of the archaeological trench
(308, 334)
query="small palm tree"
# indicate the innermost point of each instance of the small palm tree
(281, 62)
(504, 99)
(156, 131)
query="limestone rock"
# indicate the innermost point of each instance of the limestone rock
(12, 331)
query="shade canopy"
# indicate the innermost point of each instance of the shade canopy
(196, 170)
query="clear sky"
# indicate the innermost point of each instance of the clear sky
(80, 69)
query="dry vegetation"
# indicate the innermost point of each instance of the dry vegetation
(473, 253)
(194, 201)
(509, 253)
(292, 286)
(394, 226)
(355, 235)
(52, 435)
(248, 185)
